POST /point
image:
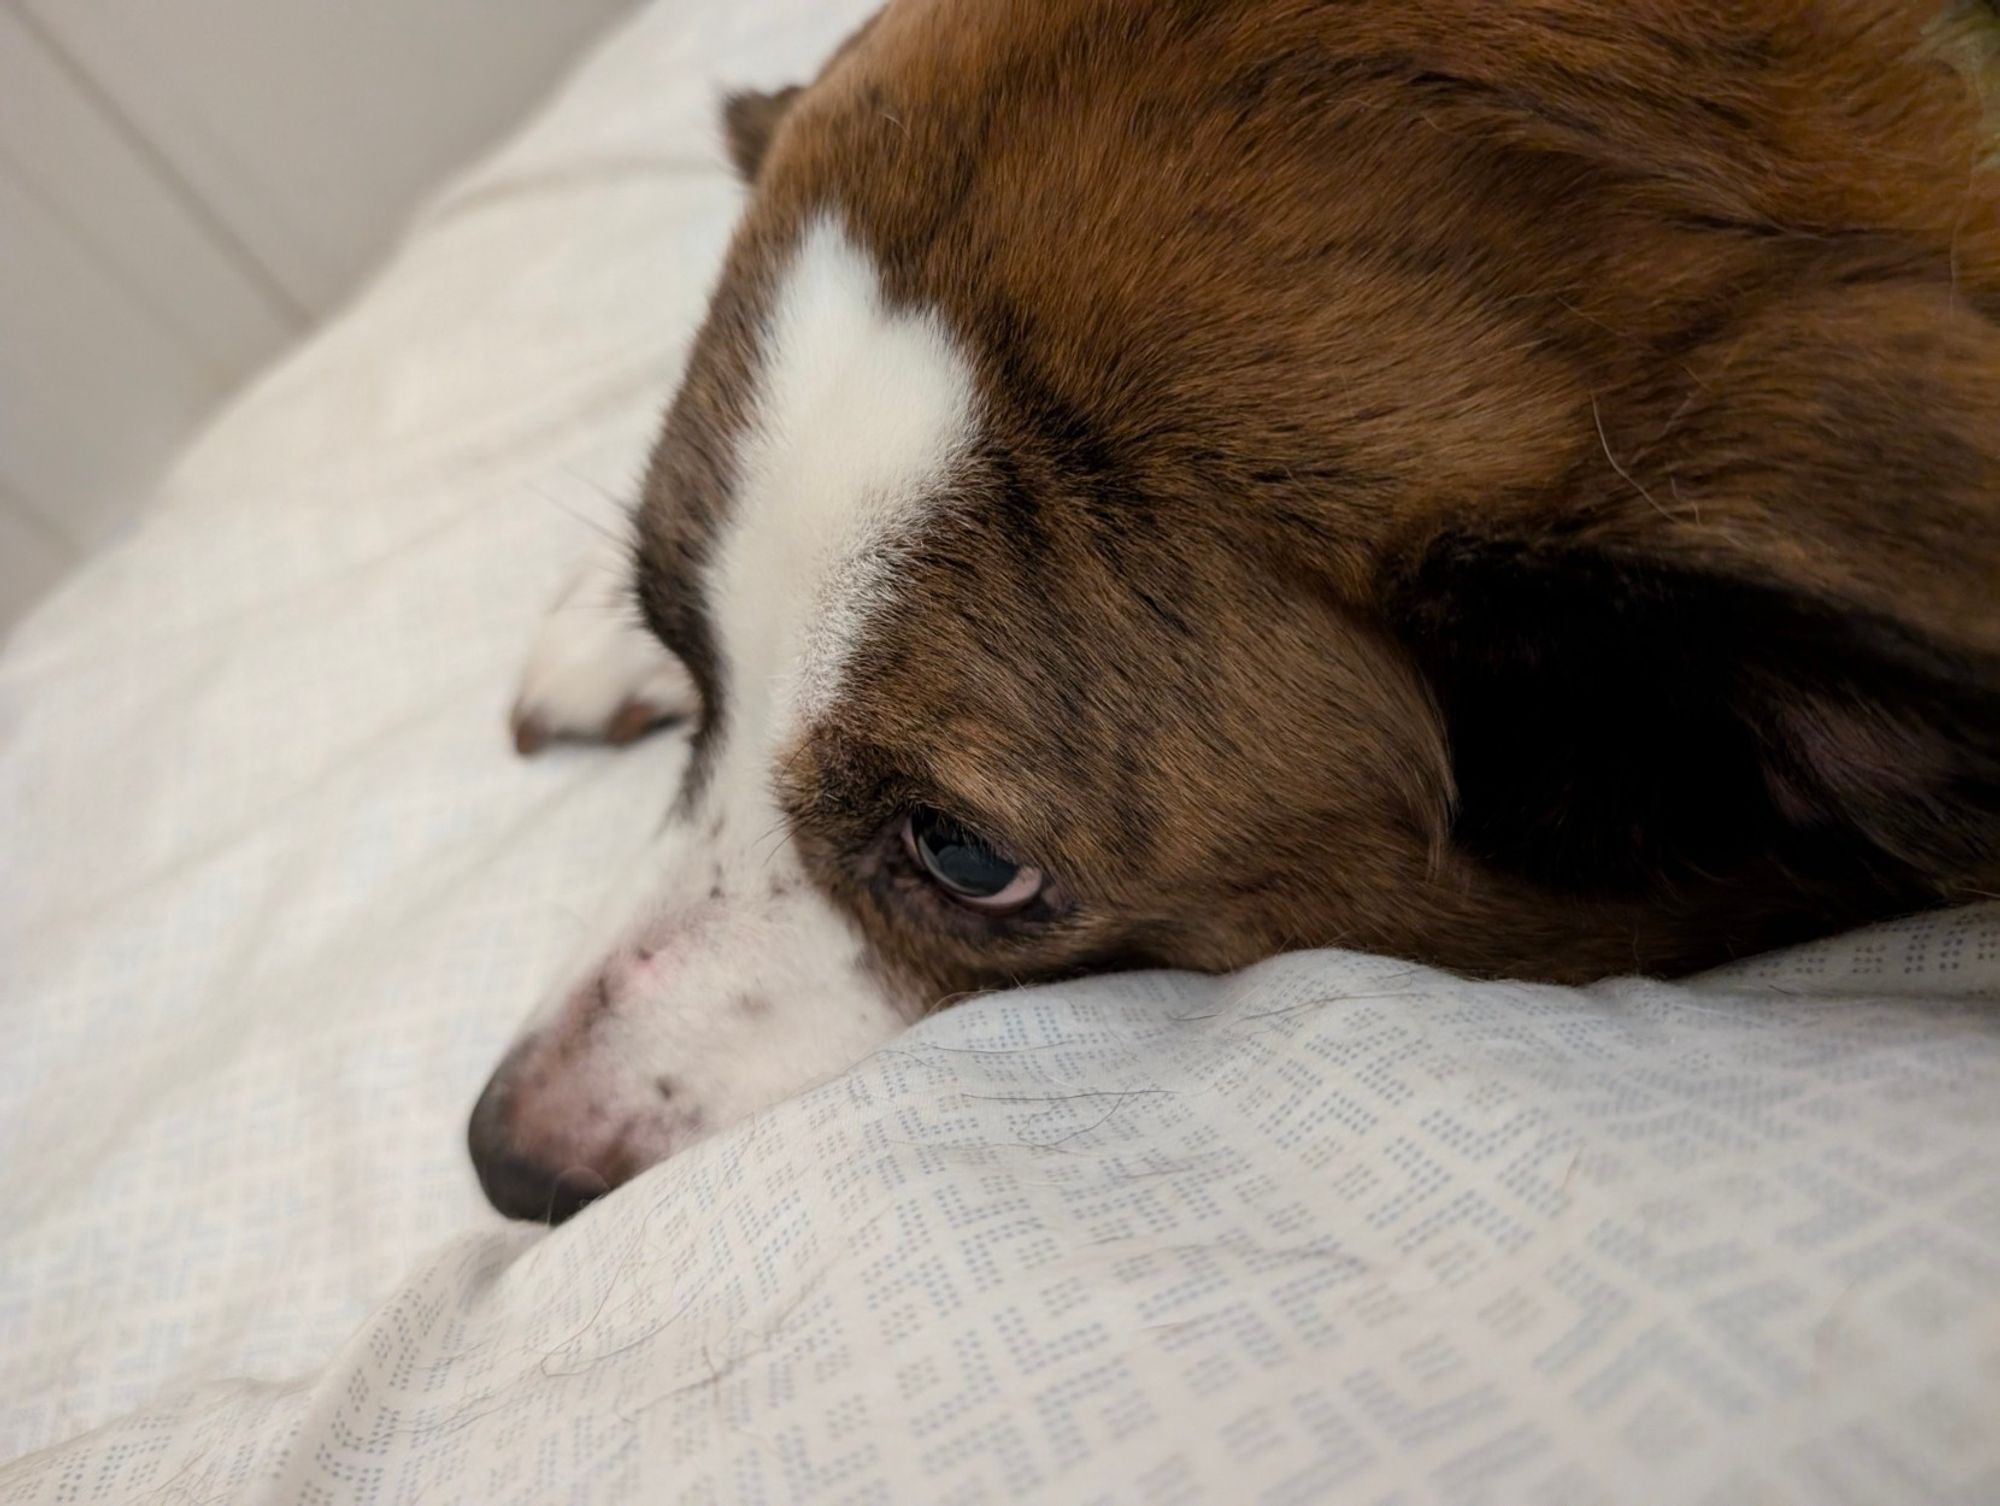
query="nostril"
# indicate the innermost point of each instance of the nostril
(571, 1191)
(523, 1188)
(517, 1184)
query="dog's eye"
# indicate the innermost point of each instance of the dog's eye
(962, 864)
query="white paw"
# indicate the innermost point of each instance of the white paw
(596, 671)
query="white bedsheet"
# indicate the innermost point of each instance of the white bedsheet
(275, 894)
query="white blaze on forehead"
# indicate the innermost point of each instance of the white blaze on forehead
(736, 982)
(860, 415)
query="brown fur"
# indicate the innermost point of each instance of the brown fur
(1512, 486)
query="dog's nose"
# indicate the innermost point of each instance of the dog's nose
(518, 1184)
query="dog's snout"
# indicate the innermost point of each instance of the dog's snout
(517, 1182)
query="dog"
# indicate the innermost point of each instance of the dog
(1163, 482)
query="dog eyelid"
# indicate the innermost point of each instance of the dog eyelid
(965, 866)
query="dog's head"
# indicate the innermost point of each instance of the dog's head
(1516, 487)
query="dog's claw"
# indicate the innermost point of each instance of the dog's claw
(632, 721)
(531, 733)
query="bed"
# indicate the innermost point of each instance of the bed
(274, 895)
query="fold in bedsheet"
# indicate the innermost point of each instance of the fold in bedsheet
(1337, 1229)
(274, 894)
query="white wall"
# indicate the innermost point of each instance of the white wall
(186, 185)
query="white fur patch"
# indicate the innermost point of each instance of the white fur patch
(737, 983)
(861, 412)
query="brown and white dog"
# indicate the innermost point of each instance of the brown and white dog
(1167, 481)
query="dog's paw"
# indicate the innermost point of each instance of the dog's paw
(596, 672)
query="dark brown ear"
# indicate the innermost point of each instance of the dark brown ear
(1761, 645)
(749, 121)
(1618, 724)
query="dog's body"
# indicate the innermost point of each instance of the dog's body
(1161, 483)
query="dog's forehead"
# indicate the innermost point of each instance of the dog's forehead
(860, 415)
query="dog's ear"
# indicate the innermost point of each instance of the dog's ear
(749, 121)
(1758, 637)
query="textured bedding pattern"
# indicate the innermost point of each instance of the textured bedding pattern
(273, 896)
(1335, 1229)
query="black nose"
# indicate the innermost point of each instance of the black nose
(519, 1185)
